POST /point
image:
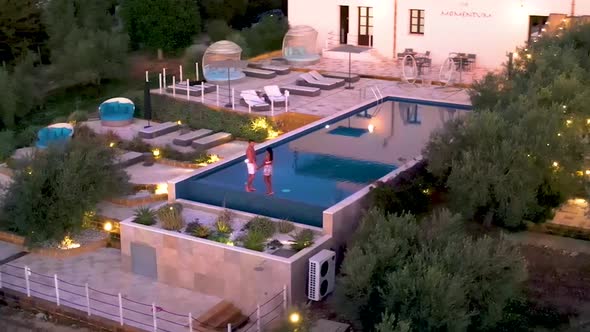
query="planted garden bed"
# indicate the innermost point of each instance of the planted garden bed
(257, 233)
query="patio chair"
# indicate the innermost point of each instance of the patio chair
(252, 100)
(274, 94)
(307, 80)
(471, 58)
(321, 77)
(409, 50)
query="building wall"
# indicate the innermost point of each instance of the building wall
(244, 277)
(501, 26)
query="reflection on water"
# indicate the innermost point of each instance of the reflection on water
(319, 169)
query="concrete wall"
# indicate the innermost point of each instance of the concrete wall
(498, 27)
(239, 275)
(342, 219)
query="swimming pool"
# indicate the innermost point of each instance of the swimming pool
(325, 163)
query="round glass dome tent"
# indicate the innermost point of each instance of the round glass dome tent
(300, 45)
(221, 51)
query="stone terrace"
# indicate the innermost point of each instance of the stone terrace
(329, 101)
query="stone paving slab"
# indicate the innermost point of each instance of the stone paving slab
(103, 272)
(228, 150)
(573, 213)
(157, 173)
(8, 249)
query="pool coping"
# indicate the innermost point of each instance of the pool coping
(310, 127)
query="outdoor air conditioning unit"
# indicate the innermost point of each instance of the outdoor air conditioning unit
(322, 270)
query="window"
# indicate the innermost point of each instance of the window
(417, 21)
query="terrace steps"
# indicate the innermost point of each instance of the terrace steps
(221, 314)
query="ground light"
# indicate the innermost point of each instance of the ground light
(108, 226)
(295, 318)
(111, 144)
(156, 153)
(161, 189)
(371, 128)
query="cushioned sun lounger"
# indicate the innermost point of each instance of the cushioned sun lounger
(210, 141)
(259, 73)
(158, 130)
(187, 139)
(302, 90)
(307, 80)
(353, 77)
(320, 77)
(279, 69)
(250, 99)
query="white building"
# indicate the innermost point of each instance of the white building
(487, 28)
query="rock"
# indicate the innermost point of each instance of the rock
(574, 254)
(41, 315)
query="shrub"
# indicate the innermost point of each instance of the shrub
(171, 217)
(136, 144)
(7, 144)
(169, 152)
(286, 226)
(194, 54)
(217, 30)
(59, 119)
(198, 116)
(224, 222)
(27, 136)
(265, 36)
(430, 274)
(254, 240)
(302, 239)
(262, 225)
(196, 229)
(145, 216)
(78, 116)
(48, 201)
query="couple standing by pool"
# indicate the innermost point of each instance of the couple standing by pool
(252, 168)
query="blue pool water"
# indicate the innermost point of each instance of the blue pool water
(325, 164)
(221, 74)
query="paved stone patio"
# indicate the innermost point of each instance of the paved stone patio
(105, 277)
(391, 68)
(573, 213)
(157, 173)
(329, 101)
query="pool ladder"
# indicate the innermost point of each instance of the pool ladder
(378, 98)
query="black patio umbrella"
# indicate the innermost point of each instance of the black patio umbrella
(349, 49)
(147, 103)
(228, 64)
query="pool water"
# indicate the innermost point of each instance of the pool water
(321, 167)
(221, 74)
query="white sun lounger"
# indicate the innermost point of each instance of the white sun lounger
(275, 95)
(251, 99)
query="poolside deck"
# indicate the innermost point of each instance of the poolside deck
(329, 101)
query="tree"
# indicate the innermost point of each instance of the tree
(20, 91)
(47, 200)
(225, 10)
(161, 24)
(20, 27)
(521, 152)
(85, 46)
(404, 275)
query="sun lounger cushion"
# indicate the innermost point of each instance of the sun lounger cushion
(308, 80)
(345, 76)
(302, 90)
(321, 77)
(158, 130)
(259, 73)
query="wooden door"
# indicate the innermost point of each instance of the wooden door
(365, 26)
